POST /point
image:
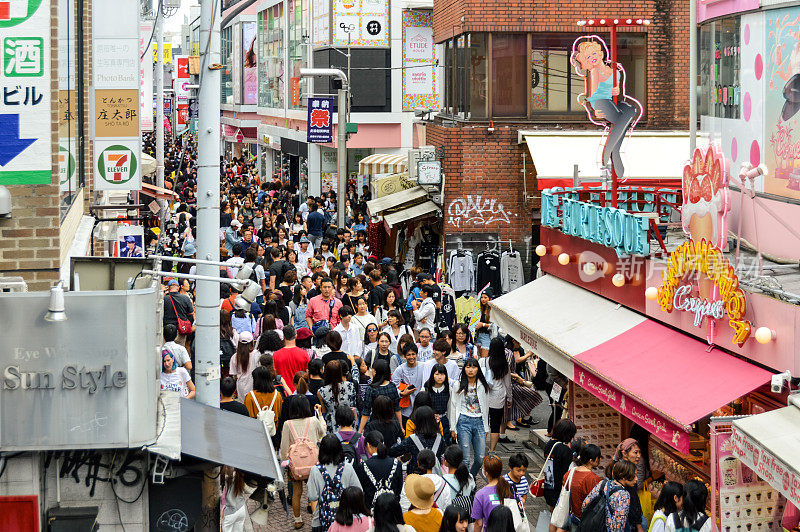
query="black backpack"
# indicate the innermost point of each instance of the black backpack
(676, 520)
(226, 351)
(594, 516)
(350, 448)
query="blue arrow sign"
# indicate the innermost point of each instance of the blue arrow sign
(10, 143)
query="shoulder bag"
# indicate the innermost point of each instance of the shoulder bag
(184, 326)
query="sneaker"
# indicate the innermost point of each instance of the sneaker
(505, 439)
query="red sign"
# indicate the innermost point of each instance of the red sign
(183, 67)
(320, 118)
(295, 86)
(183, 114)
(239, 136)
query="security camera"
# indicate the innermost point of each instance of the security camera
(777, 381)
(5, 203)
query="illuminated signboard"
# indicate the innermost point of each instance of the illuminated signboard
(699, 278)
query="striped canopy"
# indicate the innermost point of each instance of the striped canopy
(381, 163)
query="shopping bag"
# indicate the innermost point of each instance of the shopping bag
(543, 523)
(560, 518)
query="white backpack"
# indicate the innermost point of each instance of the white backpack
(266, 415)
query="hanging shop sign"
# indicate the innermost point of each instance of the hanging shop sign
(699, 279)
(320, 120)
(607, 226)
(607, 104)
(767, 466)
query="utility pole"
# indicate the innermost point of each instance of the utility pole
(160, 107)
(341, 130)
(207, 372)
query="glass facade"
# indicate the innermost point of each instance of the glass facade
(531, 75)
(718, 69)
(270, 60)
(298, 42)
(71, 123)
(226, 55)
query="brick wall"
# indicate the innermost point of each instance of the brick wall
(29, 240)
(667, 38)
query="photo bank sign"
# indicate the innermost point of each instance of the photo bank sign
(607, 226)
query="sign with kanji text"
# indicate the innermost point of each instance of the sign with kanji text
(320, 120)
(117, 164)
(166, 50)
(116, 113)
(25, 109)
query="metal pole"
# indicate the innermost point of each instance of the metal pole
(341, 191)
(692, 77)
(207, 365)
(207, 330)
(614, 175)
(160, 108)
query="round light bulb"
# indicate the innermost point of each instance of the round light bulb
(602, 21)
(618, 279)
(651, 293)
(616, 21)
(563, 259)
(541, 250)
(589, 268)
(591, 22)
(764, 335)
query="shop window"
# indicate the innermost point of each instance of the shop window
(509, 73)
(720, 63)
(226, 53)
(477, 71)
(298, 44)
(270, 61)
(71, 123)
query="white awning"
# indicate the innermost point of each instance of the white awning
(558, 320)
(380, 163)
(417, 211)
(646, 154)
(769, 444)
(395, 200)
(148, 165)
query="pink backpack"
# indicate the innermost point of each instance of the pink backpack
(303, 454)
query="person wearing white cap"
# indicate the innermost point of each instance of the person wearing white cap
(232, 235)
(243, 363)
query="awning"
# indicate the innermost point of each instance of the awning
(660, 378)
(395, 200)
(558, 320)
(417, 211)
(555, 154)
(664, 380)
(380, 163)
(769, 444)
(215, 435)
(148, 165)
(158, 192)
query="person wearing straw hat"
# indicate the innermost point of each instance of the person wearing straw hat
(422, 515)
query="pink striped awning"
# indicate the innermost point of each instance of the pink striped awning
(380, 163)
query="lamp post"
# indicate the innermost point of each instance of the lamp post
(612, 23)
(341, 133)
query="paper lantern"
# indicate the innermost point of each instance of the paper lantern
(651, 293)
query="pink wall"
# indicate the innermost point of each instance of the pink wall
(707, 9)
(773, 238)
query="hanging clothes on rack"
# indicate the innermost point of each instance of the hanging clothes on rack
(461, 270)
(447, 316)
(489, 271)
(512, 275)
(464, 306)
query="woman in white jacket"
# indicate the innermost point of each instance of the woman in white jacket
(425, 311)
(469, 413)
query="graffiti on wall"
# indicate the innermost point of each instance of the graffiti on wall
(91, 467)
(478, 211)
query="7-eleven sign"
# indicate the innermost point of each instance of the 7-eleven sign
(13, 9)
(117, 165)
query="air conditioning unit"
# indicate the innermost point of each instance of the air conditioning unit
(423, 153)
(13, 284)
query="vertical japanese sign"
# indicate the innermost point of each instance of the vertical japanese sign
(249, 64)
(117, 72)
(320, 120)
(182, 92)
(236, 64)
(167, 51)
(25, 120)
(419, 56)
(146, 79)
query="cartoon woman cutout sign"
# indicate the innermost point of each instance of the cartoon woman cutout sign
(590, 59)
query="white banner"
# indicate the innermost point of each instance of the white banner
(146, 77)
(770, 468)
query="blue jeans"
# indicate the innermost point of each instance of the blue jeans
(470, 432)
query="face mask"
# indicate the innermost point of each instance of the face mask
(445, 469)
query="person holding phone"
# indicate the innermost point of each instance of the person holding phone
(408, 379)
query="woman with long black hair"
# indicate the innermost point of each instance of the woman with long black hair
(380, 472)
(381, 385)
(692, 515)
(337, 391)
(426, 436)
(469, 413)
(438, 389)
(352, 515)
(389, 515)
(498, 374)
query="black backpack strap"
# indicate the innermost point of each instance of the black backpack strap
(700, 522)
(354, 439)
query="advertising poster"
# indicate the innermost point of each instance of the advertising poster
(236, 64)
(320, 23)
(320, 120)
(781, 68)
(360, 23)
(130, 241)
(146, 79)
(182, 79)
(419, 56)
(25, 119)
(250, 64)
(746, 502)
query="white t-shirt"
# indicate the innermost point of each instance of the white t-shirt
(179, 353)
(671, 525)
(234, 264)
(424, 353)
(177, 381)
(259, 271)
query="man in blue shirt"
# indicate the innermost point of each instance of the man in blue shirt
(316, 226)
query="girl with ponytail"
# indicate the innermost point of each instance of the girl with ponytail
(456, 474)
(496, 491)
(379, 472)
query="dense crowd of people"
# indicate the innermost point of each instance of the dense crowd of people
(377, 403)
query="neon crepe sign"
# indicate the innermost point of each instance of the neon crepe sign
(699, 279)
